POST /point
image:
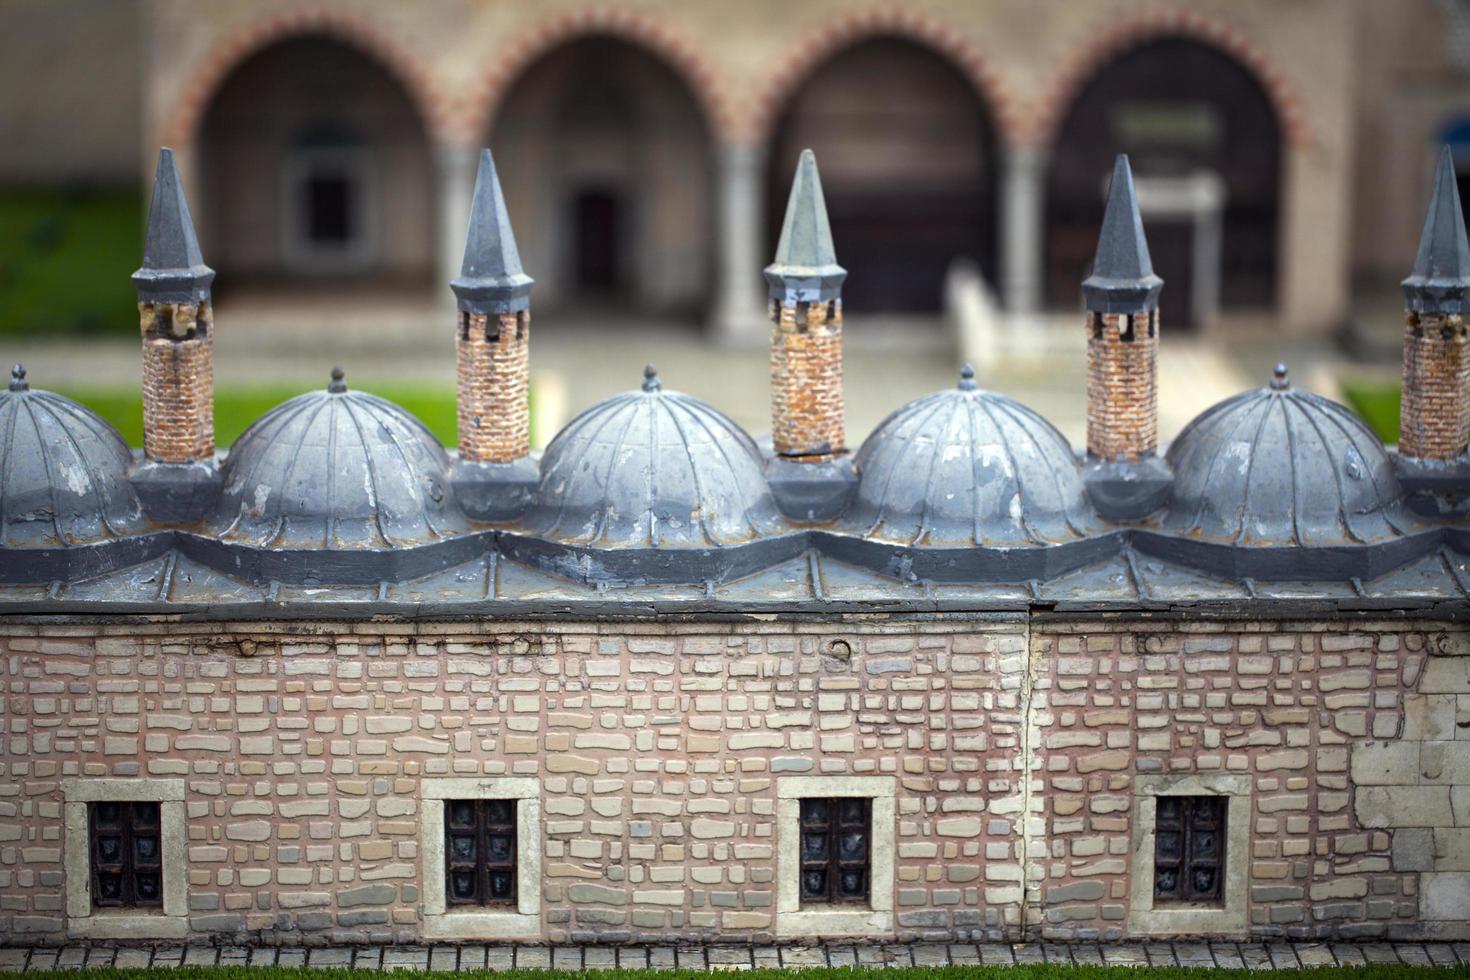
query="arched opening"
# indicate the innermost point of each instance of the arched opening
(1205, 145)
(907, 155)
(316, 172)
(605, 159)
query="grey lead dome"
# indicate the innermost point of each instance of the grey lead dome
(1279, 467)
(965, 468)
(336, 469)
(63, 473)
(652, 469)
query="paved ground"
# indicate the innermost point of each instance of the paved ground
(1254, 956)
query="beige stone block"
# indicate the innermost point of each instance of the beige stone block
(1445, 896)
(1403, 806)
(1445, 763)
(1385, 764)
(1451, 848)
(1446, 675)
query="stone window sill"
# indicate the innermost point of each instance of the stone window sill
(835, 923)
(482, 925)
(128, 925)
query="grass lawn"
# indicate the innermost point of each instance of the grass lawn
(236, 408)
(66, 260)
(1378, 403)
(1027, 972)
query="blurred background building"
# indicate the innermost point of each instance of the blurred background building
(1283, 150)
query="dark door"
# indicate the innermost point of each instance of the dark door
(598, 220)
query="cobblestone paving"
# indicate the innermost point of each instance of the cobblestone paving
(1255, 956)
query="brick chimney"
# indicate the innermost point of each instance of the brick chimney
(178, 476)
(805, 289)
(178, 328)
(1126, 479)
(494, 474)
(1434, 416)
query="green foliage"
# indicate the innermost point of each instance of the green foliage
(236, 408)
(66, 260)
(1378, 403)
(1027, 972)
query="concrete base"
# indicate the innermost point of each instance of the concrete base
(494, 492)
(1127, 491)
(177, 493)
(1435, 488)
(814, 492)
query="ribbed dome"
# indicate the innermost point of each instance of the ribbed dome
(1277, 466)
(967, 467)
(652, 469)
(63, 472)
(336, 469)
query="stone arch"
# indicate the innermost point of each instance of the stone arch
(822, 42)
(653, 36)
(242, 43)
(1102, 47)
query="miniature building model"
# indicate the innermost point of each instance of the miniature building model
(665, 682)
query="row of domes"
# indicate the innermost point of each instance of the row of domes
(962, 468)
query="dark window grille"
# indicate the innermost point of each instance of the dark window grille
(480, 852)
(835, 850)
(1189, 849)
(127, 855)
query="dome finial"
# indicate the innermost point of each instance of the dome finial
(18, 378)
(650, 379)
(338, 384)
(967, 378)
(1279, 378)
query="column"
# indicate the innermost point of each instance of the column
(1021, 213)
(455, 165)
(739, 315)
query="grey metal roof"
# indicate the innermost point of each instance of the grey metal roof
(965, 468)
(63, 473)
(173, 267)
(491, 279)
(1440, 282)
(805, 268)
(336, 469)
(1277, 467)
(653, 469)
(1122, 279)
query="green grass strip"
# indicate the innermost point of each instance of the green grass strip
(1378, 403)
(1022, 972)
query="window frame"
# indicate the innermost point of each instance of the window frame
(1146, 917)
(165, 921)
(876, 918)
(444, 921)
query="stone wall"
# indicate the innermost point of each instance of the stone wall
(301, 749)
(1321, 719)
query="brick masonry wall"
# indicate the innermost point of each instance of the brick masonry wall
(178, 381)
(806, 380)
(1122, 386)
(494, 372)
(657, 749)
(658, 746)
(1297, 711)
(1434, 419)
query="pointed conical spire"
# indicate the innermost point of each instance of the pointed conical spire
(805, 269)
(1440, 282)
(173, 268)
(491, 279)
(1122, 279)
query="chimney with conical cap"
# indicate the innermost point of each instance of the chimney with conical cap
(1434, 416)
(494, 474)
(811, 476)
(1125, 477)
(178, 474)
